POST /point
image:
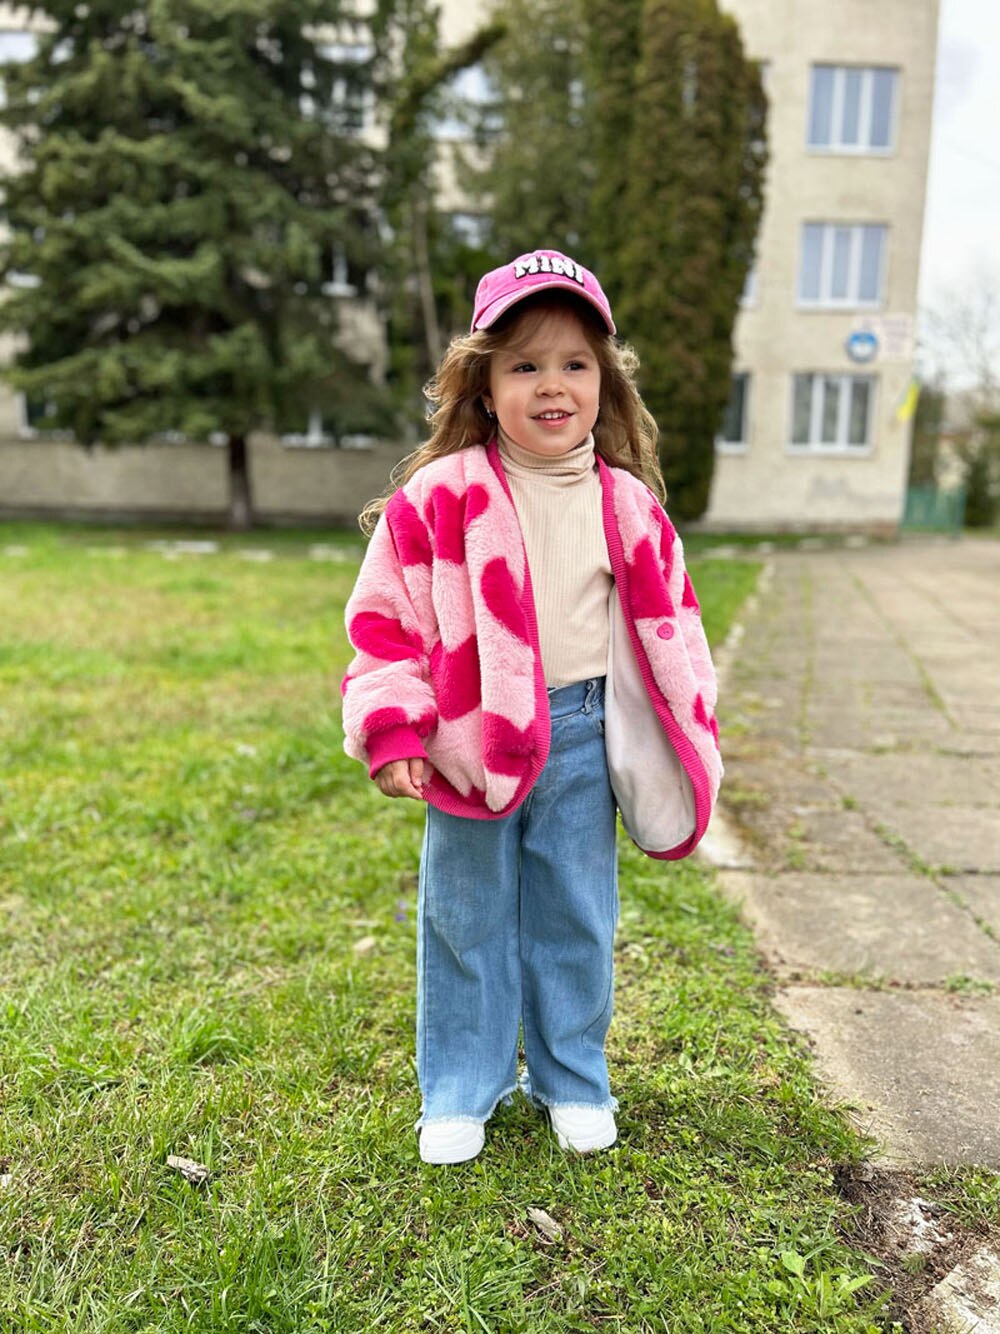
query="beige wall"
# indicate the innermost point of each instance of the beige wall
(58, 479)
(774, 339)
(461, 18)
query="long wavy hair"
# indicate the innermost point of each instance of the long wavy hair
(624, 434)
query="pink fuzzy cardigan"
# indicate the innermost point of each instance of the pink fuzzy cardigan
(447, 662)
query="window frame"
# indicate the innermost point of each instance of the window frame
(741, 446)
(470, 91)
(27, 430)
(30, 41)
(828, 242)
(866, 111)
(352, 103)
(470, 227)
(750, 296)
(841, 447)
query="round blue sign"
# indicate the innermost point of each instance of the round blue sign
(862, 346)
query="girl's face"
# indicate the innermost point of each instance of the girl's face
(545, 389)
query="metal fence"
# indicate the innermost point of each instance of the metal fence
(930, 509)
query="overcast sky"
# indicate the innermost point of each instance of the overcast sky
(962, 223)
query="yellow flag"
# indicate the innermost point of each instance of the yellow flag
(908, 402)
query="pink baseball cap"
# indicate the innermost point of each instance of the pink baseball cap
(538, 271)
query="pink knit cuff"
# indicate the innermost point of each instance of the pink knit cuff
(395, 743)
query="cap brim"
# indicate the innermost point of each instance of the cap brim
(497, 308)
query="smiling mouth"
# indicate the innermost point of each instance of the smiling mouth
(551, 416)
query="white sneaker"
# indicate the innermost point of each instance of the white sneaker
(583, 1128)
(451, 1141)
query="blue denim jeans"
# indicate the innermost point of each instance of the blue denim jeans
(515, 926)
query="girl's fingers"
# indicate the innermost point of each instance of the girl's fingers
(401, 778)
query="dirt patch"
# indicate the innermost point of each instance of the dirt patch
(913, 1242)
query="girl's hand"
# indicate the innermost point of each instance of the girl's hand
(402, 778)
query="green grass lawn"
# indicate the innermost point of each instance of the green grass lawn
(207, 950)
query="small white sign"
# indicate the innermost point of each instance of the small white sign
(895, 335)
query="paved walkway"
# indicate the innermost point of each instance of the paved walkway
(862, 711)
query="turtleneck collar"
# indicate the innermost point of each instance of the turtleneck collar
(576, 462)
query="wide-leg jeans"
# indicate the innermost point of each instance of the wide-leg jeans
(515, 927)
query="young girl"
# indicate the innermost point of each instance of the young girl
(525, 528)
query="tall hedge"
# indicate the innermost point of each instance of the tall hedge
(632, 133)
(613, 33)
(532, 164)
(692, 203)
(187, 173)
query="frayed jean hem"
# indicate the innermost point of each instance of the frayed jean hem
(504, 1097)
(543, 1103)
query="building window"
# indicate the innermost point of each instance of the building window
(469, 106)
(733, 437)
(832, 413)
(842, 265)
(353, 98)
(353, 104)
(472, 229)
(852, 109)
(340, 283)
(39, 416)
(15, 48)
(749, 295)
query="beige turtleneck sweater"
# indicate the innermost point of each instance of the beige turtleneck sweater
(558, 502)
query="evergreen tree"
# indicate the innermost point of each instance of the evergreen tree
(423, 255)
(979, 452)
(188, 171)
(926, 440)
(538, 166)
(695, 163)
(632, 135)
(613, 31)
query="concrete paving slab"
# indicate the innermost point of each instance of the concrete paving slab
(975, 717)
(898, 729)
(721, 846)
(864, 729)
(913, 779)
(894, 927)
(922, 1069)
(835, 840)
(982, 894)
(967, 1300)
(963, 838)
(873, 663)
(974, 740)
(900, 696)
(882, 666)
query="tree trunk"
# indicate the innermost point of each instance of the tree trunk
(241, 517)
(425, 283)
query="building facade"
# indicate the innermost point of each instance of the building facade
(818, 430)
(818, 427)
